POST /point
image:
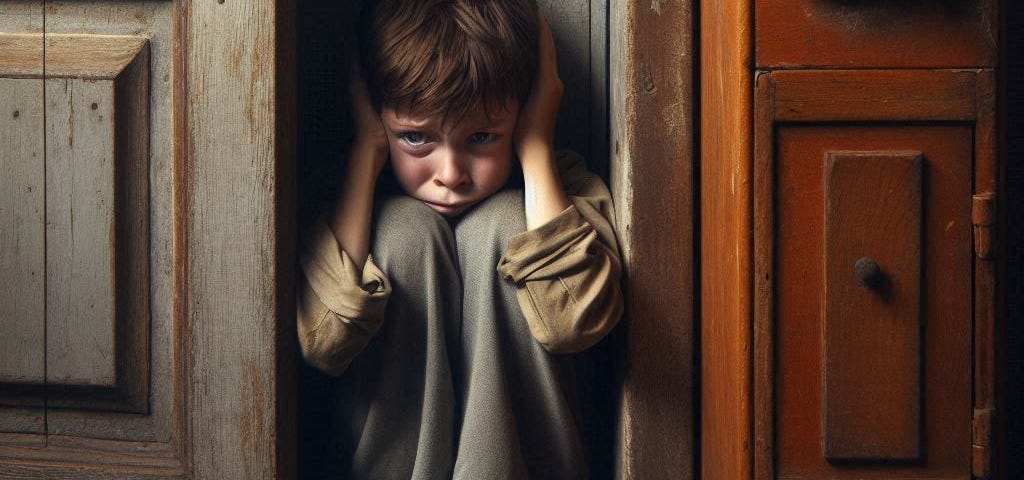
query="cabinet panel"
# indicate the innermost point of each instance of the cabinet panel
(872, 320)
(876, 33)
(800, 285)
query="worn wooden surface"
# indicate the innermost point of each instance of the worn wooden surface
(872, 318)
(652, 184)
(858, 95)
(945, 297)
(149, 20)
(986, 279)
(22, 298)
(80, 232)
(235, 242)
(22, 240)
(764, 278)
(726, 258)
(941, 33)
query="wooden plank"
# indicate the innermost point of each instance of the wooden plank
(22, 134)
(764, 278)
(94, 57)
(152, 21)
(726, 250)
(986, 282)
(22, 255)
(22, 234)
(238, 200)
(876, 34)
(874, 95)
(80, 201)
(872, 317)
(652, 183)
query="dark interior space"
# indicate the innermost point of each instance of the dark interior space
(1014, 263)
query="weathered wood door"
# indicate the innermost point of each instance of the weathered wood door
(145, 250)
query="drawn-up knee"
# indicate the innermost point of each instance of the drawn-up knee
(495, 220)
(406, 233)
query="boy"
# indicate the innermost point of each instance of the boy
(450, 368)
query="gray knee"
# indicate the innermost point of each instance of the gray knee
(407, 234)
(491, 223)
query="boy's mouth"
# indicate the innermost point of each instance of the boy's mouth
(445, 208)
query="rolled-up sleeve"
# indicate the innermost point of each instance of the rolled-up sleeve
(567, 271)
(339, 308)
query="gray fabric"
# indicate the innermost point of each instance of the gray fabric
(454, 385)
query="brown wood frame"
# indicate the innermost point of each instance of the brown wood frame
(652, 180)
(726, 241)
(252, 157)
(773, 103)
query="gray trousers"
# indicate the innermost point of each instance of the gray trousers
(454, 385)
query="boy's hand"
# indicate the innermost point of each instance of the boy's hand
(535, 128)
(371, 141)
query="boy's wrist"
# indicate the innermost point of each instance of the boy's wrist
(535, 152)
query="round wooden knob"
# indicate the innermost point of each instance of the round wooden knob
(867, 271)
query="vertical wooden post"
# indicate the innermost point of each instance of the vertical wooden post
(652, 182)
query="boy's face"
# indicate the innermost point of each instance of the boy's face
(451, 167)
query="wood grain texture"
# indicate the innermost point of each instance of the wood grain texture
(98, 237)
(22, 232)
(80, 233)
(872, 322)
(27, 138)
(151, 178)
(945, 298)
(764, 277)
(92, 57)
(726, 258)
(987, 371)
(932, 34)
(234, 252)
(878, 95)
(652, 184)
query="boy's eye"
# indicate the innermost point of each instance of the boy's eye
(481, 138)
(413, 138)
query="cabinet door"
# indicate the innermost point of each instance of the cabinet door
(145, 313)
(866, 271)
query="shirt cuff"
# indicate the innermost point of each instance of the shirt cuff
(353, 295)
(548, 250)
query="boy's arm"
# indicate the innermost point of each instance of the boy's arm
(535, 129)
(567, 271)
(351, 219)
(566, 266)
(343, 295)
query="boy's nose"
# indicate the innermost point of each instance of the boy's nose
(451, 173)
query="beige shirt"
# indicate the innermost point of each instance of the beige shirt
(566, 273)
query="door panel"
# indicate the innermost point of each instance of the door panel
(872, 295)
(22, 204)
(107, 372)
(874, 363)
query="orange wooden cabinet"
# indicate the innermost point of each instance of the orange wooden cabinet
(848, 190)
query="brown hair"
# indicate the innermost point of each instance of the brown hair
(445, 57)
